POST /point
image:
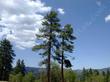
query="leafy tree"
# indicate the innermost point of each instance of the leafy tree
(48, 39)
(42, 77)
(6, 58)
(12, 78)
(70, 76)
(19, 77)
(29, 77)
(55, 72)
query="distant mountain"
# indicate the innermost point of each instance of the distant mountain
(104, 69)
(35, 70)
(38, 70)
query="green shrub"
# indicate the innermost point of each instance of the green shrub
(16, 78)
(29, 77)
(70, 76)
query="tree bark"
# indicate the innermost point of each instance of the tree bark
(62, 63)
(48, 69)
(49, 58)
(62, 70)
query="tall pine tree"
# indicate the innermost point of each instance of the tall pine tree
(66, 46)
(48, 38)
(6, 59)
(19, 68)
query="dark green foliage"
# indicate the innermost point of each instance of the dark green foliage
(6, 59)
(107, 77)
(93, 75)
(103, 73)
(48, 38)
(48, 33)
(23, 70)
(90, 71)
(67, 63)
(83, 76)
(67, 37)
(19, 68)
(96, 72)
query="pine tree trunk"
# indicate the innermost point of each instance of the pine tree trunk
(2, 74)
(48, 69)
(49, 56)
(62, 60)
(62, 70)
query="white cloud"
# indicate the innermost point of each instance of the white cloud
(22, 19)
(61, 11)
(107, 18)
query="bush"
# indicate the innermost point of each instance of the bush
(16, 78)
(70, 76)
(29, 77)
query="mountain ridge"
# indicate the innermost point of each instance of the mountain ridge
(37, 70)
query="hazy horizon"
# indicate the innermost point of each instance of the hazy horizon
(90, 20)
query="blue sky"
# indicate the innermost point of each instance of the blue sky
(91, 23)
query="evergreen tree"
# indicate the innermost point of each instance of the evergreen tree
(90, 72)
(83, 76)
(23, 70)
(48, 38)
(19, 68)
(6, 58)
(96, 72)
(107, 76)
(103, 73)
(67, 38)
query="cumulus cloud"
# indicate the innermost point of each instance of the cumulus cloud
(20, 21)
(61, 11)
(107, 18)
